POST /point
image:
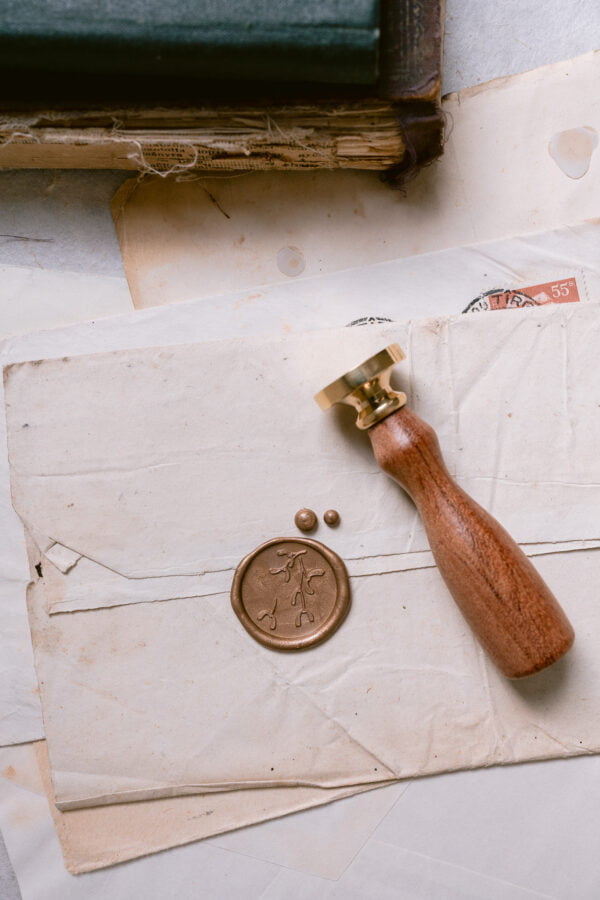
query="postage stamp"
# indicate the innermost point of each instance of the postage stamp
(562, 291)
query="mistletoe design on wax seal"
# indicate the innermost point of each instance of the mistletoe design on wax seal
(291, 593)
(301, 587)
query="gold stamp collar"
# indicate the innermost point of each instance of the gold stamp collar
(367, 388)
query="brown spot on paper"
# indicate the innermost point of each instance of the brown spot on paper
(572, 150)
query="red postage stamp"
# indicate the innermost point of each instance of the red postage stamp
(562, 291)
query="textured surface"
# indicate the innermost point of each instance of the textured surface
(59, 220)
(9, 887)
(485, 40)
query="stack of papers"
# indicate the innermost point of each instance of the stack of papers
(150, 452)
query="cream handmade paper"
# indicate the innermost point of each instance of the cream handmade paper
(442, 282)
(83, 639)
(100, 836)
(164, 699)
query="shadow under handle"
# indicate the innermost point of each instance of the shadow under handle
(515, 616)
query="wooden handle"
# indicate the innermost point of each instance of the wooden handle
(513, 613)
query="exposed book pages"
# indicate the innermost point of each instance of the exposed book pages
(170, 123)
(365, 135)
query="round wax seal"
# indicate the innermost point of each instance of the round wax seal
(291, 593)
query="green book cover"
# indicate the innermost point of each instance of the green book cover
(323, 41)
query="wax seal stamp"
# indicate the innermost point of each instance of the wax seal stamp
(514, 614)
(291, 593)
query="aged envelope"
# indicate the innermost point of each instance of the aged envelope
(440, 283)
(520, 157)
(555, 266)
(543, 334)
(402, 689)
(183, 321)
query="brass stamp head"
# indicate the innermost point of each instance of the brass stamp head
(367, 388)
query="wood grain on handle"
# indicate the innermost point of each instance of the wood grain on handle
(507, 604)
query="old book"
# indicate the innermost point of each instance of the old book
(268, 86)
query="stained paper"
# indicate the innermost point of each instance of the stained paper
(211, 236)
(246, 716)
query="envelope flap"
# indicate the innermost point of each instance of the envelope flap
(177, 461)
